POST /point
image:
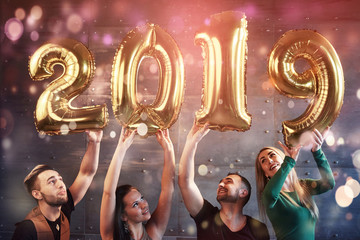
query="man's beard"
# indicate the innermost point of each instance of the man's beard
(228, 198)
(57, 202)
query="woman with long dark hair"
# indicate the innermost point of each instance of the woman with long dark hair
(124, 211)
(287, 200)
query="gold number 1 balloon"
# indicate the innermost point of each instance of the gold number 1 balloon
(323, 82)
(147, 41)
(53, 109)
(224, 44)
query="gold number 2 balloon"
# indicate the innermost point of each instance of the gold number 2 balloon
(323, 81)
(53, 108)
(224, 45)
(147, 41)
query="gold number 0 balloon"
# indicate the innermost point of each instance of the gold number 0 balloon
(53, 108)
(224, 44)
(148, 41)
(323, 82)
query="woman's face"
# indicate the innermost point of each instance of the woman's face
(136, 208)
(270, 162)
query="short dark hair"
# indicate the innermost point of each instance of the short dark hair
(30, 179)
(244, 183)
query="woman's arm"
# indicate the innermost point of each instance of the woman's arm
(156, 226)
(107, 211)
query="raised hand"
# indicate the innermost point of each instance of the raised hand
(163, 138)
(292, 152)
(126, 137)
(318, 139)
(197, 132)
(94, 135)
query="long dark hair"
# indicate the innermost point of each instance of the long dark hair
(120, 233)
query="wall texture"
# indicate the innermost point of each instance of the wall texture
(102, 26)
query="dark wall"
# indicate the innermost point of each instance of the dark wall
(22, 147)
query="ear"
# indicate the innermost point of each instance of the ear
(36, 194)
(243, 193)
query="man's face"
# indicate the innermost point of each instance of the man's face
(228, 189)
(51, 188)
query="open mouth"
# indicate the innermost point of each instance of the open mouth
(272, 167)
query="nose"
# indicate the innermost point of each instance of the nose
(222, 184)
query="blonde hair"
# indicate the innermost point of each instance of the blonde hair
(298, 186)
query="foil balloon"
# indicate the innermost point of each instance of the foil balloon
(147, 41)
(224, 46)
(323, 82)
(53, 109)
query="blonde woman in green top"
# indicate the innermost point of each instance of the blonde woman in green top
(286, 199)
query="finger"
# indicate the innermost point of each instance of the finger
(326, 132)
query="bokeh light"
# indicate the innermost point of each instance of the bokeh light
(36, 12)
(34, 35)
(112, 134)
(356, 158)
(358, 94)
(202, 170)
(6, 143)
(72, 125)
(14, 29)
(74, 23)
(330, 139)
(340, 141)
(142, 129)
(343, 196)
(32, 89)
(20, 13)
(64, 129)
(107, 39)
(291, 104)
(354, 186)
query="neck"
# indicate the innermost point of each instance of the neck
(50, 212)
(136, 229)
(232, 215)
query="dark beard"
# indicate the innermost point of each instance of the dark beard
(54, 202)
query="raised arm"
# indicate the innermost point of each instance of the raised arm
(88, 167)
(156, 226)
(327, 180)
(189, 190)
(107, 211)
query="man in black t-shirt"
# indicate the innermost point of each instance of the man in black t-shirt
(51, 218)
(233, 192)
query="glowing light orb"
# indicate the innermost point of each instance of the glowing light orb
(354, 186)
(356, 158)
(343, 196)
(330, 140)
(142, 129)
(41, 135)
(358, 94)
(112, 134)
(202, 170)
(107, 39)
(34, 35)
(64, 129)
(20, 13)
(291, 104)
(32, 89)
(36, 12)
(6, 143)
(14, 29)
(340, 141)
(74, 23)
(72, 125)
(153, 68)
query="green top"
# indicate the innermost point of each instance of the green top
(290, 221)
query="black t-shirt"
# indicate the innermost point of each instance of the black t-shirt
(210, 226)
(25, 230)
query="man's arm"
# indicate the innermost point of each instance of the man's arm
(189, 190)
(88, 167)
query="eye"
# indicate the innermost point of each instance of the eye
(135, 204)
(142, 198)
(272, 155)
(262, 160)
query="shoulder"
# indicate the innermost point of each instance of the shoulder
(25, 230)
(207, 210)
(259, 229)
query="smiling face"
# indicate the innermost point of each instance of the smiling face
(51, 188)
(270, 161)
(136, 207)
(228, 189)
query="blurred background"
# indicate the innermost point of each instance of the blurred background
(101, 25)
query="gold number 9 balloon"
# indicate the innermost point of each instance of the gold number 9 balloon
(224, 45)
(147, 41)
(323, 82)
(53, 108)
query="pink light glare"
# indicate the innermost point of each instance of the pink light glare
(20, 13)
(74, 23)
(14, 29)
(107, 39)
(36, 12)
